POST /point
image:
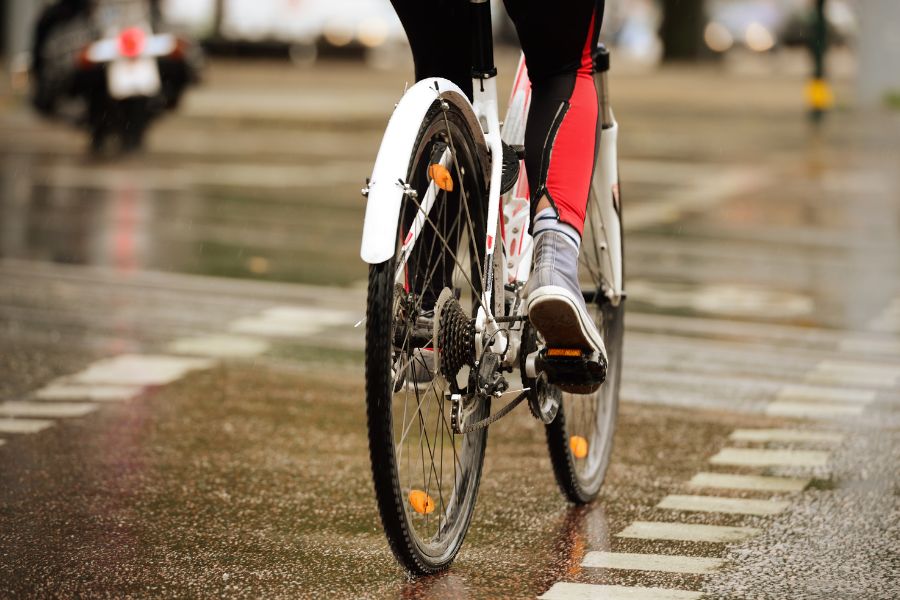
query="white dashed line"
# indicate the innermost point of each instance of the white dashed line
(684, 532)
(785, 435)
(733, 506)
(137, 369)
(52, 410)
(24, 425)
(291, 321)
(586, 591)
(855, 373)
(731, 481)
(95, 393)
(220, 346)
(810, 410)
(870, 346)
(764, 457)
(813, 393)
(652, 562)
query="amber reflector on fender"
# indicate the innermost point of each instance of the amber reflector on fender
(441, 176)
(579, 446)
(421, 502)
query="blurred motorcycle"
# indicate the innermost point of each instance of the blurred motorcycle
(112, 68)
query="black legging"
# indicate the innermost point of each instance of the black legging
(557, 39)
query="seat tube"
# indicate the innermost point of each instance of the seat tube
(482, 40)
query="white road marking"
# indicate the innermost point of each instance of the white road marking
(855, 373)
(220, 346)
(810, 410)
(587, 591)
(652, 562)
(764, 457)
(2, 442)
(52, 410)
(137, 369)
(870, 346)
(292, 321)
(684, 532)
(96, 393)
(731, 481)
(785, 435)
(733, 506)
(813, 393)
(24, 425)
(721, 299)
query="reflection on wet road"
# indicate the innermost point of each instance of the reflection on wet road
(181, 402)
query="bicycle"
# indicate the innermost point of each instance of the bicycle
(445, 318)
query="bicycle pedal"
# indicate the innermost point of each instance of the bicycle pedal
(572, 369)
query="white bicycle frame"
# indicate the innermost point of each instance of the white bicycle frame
(387, 187)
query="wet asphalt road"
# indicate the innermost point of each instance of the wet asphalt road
(764, 280)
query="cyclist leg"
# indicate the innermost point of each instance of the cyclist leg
(439, 36)
(560, 145)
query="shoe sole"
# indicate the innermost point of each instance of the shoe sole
(554, 313)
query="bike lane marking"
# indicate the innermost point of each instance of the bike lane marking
(812, 410)
(867, 374)
(53, 410)
(686, 532)
(764, 457)
(785, 435)
(760, 483)
(24, 425)
(816, 393)
(96, 393)
(665, 563)
(587, 591)
(717, 504)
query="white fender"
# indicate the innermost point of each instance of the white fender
(385, 190)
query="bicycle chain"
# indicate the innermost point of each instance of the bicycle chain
(491, 419)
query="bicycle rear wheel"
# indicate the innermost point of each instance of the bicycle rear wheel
(580, 437)
(426, 477)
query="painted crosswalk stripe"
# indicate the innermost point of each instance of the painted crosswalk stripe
(586, 591)
(785, 435)
(291, 321)
(870, 346)
(765, 457)
(734, 506)
(730, 481)
(24, 425)
(220, 346)
(685, 532)
(95, 393)
(137, 369)
(813, 410)
(665, 563)
(862, 373)
(52, 410)
(817, 393)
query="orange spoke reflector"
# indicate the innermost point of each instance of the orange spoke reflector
(579, 446)
(441, 176)
(563, 352)
(421, 502)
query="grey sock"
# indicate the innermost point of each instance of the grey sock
(547, 220)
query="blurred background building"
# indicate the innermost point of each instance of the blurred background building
(644, 31)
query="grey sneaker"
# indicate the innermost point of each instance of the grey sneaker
(556, 305)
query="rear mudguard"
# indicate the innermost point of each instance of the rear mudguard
(386, 186)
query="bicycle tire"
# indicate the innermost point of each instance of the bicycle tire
(580, 465)
(423, 547)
